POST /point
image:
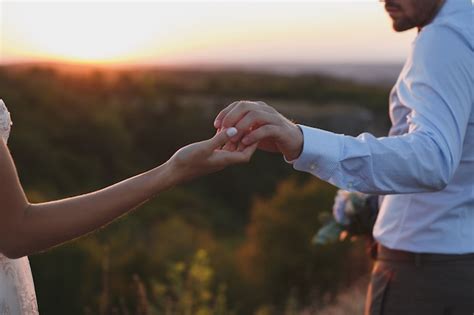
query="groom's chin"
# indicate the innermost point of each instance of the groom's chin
(401, 25)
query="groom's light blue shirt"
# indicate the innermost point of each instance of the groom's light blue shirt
(425, 167)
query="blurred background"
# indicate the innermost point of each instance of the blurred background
(100, 91)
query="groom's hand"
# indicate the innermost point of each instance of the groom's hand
(259, 122)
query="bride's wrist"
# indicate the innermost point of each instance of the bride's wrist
(161, 178)
(173, 174)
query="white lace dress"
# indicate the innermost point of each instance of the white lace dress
(17, 291)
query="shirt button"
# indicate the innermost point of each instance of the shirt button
(312, 166)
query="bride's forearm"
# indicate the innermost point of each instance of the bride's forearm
(48, 224)
(28, 228)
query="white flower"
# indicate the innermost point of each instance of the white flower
(346, 205)
(339, 208)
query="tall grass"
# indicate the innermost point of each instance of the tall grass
(349, 302)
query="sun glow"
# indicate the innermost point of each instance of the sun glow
(80, 32)
(197, 32)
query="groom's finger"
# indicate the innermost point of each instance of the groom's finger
(238, 112)
(253, 120)
(223, 113)
(230, 115)
(261, 133)
(241, 109)
(226, 117)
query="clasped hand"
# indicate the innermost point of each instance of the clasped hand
(241, 128)
(259, 123)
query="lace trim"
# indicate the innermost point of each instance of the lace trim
(18, 275)
(5, 122)
(17, 272)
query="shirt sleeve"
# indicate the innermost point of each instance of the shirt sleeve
(436, 85)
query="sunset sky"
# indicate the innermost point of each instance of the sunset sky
(190, 32)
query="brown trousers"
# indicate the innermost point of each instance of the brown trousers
(404, 283)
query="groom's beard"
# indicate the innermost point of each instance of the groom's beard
(424, 11)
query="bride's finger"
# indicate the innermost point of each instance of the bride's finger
(241, 147)
(220, 139)
(249, 151)
(230, 146)
(225, 158)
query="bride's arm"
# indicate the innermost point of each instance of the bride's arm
(27, 228)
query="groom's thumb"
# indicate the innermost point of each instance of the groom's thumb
(222, 137)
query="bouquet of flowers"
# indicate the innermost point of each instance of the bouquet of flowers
(354, 214)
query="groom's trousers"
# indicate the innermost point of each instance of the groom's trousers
(405, 283)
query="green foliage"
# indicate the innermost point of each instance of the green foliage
(278, 259)
(79, 130)
(190, 289)
(187, 290)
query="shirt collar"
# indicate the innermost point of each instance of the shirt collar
(453, 6)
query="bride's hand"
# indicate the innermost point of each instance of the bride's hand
(208, 156)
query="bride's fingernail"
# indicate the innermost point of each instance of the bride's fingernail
(217, 123)
(231, 132)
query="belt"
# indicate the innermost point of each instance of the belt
(387, 254)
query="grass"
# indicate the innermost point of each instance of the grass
(350, 301)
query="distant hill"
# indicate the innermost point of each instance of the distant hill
(383, 74)
(371, 73)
